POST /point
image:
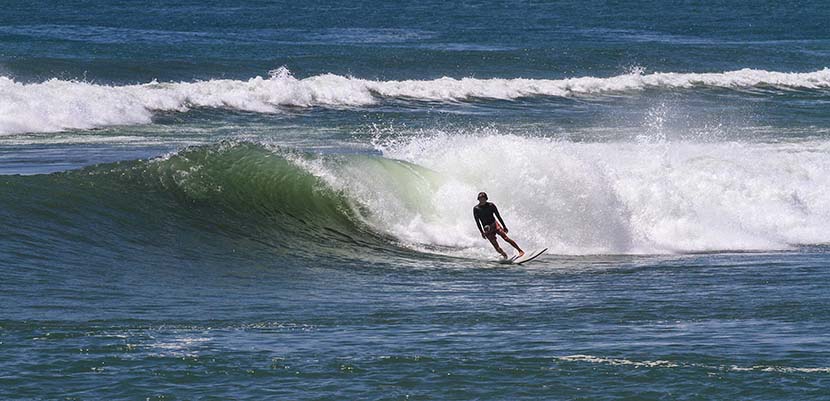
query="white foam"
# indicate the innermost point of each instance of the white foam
(670, 364)
(619, 361)
(57, 105)
(596, 198)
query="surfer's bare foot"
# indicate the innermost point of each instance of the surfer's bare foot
(521, 253)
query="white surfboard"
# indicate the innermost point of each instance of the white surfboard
(528, 256)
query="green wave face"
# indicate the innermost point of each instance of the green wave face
(243, 196)
(247, 180)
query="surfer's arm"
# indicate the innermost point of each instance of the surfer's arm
(504, 226)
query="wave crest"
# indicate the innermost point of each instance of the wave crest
(57, 105)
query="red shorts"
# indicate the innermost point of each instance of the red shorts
(491, 230)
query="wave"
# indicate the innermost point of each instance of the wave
(57, 105)
(575, 198)
(270, 198)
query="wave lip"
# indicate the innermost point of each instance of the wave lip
(57, 105)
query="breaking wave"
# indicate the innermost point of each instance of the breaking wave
(57, 105)
(575, 198)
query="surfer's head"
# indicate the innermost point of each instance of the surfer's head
(482, 197)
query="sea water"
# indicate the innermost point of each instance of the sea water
(272, 200)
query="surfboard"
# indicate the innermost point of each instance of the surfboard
(515, 260)
(528, 257)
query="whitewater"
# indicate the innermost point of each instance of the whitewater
(595, 198)
(56, 105)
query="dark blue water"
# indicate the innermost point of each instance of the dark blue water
(272, 201)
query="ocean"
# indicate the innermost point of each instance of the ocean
(272, 200)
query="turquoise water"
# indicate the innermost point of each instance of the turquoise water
(272, 201)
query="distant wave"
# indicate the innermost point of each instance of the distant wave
(57, 105)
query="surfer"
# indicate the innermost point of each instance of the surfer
(485, 214)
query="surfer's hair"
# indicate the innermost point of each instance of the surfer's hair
(480, 194)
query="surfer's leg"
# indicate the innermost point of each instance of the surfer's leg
(510, 241)
(495, 243)
(513, 243)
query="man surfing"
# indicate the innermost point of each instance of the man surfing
(485, 214)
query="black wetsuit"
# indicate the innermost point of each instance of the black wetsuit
(486, 215)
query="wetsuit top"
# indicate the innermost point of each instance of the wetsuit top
(486, 214)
